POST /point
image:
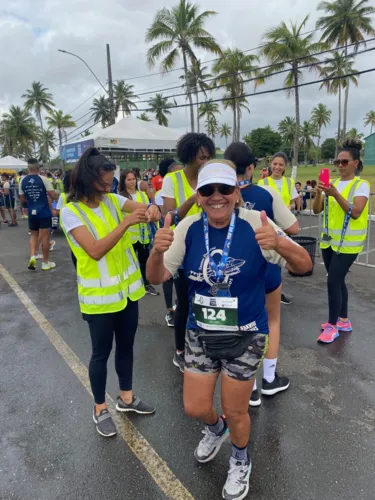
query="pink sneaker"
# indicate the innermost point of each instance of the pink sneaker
(344, 326)
(324, 325)
(328, 335)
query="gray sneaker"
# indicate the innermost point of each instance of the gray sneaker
(104, 423)
(210, 444)
(136, 405)
(237, 484)
(179, 361)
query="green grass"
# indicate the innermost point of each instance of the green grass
(310, 173)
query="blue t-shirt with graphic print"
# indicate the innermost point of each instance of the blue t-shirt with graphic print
(257, 198)
(245, 271)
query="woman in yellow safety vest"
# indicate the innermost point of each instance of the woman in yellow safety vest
(108, 276)
(179, 195)
(345, 222)
(284, 185)
(139, 233)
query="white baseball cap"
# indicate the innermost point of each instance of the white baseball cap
(216, 173)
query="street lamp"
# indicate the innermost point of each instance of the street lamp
(110, 82)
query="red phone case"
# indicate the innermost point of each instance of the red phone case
(324, 176)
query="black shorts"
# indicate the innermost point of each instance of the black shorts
(35, 224)
(7, 203)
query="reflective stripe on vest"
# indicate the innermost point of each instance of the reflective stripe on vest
(286, 188)
(356, 233)
(105, 285)
(135, 231)
(183, 191)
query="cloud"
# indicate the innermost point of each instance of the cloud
(32, 33)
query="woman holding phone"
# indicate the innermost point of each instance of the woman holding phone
(345, 221)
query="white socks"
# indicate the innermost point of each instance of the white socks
(269, 369)
(255, 385)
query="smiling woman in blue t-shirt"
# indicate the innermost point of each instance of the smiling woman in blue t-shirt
(224, 251)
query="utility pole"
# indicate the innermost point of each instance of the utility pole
(110, 87)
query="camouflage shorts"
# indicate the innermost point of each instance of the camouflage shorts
(242, 368)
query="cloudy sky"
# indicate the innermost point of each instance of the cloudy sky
(32, 32)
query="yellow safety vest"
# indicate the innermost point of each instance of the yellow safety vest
(140, 232)
(104, 286)
(355, 236)
(59, 186)
(183, 191)
(286, 187)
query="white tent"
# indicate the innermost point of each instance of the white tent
(8, 162)
(128, 135)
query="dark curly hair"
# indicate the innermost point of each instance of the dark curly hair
(86, 175)
(353, 147)
(122, 185)
(190, 144)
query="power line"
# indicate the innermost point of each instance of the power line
(267, 67)
(249, 79)
(206, 62)
(272, 91)
(84, 102)
(310, 65)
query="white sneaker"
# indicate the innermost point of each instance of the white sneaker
(237, 484)
(38, 256)
(210, 445)
(48, 266)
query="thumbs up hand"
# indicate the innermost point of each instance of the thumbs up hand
(266, 236)
(164, 237)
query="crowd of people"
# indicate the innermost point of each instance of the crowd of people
(221, 241)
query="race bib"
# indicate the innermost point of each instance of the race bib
(216, 313)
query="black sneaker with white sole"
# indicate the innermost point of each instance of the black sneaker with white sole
(150, 290)
(104, 423)
(169, 318)
(280, 384)
(285, 300)
(136, 406)
(255, 399)
(179, 361)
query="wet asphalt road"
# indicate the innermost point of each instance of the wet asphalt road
(314, 442)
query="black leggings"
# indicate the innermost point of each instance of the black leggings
(182, 310)
(168, 293)
(122, 325)
(143, 253)
(337, 267)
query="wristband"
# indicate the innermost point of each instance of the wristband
(175, 217)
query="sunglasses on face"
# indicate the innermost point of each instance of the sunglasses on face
(344, 163)
(210, 189)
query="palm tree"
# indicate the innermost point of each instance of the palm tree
(124, 98)
(354, 134)
(320, 117)
(19, 130)
(57, 120)
(287, 129)
(208, 109)
(197, 82)
(285, 47)
(346, 22)
(159, 105)
(101, 111)
(47, 141)
(177, 31)
(337, 65)
(232, 68)
(308, 131)
(370, 119)
(211, 126)
(38, 99)
(225, 131)
(144, 117)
